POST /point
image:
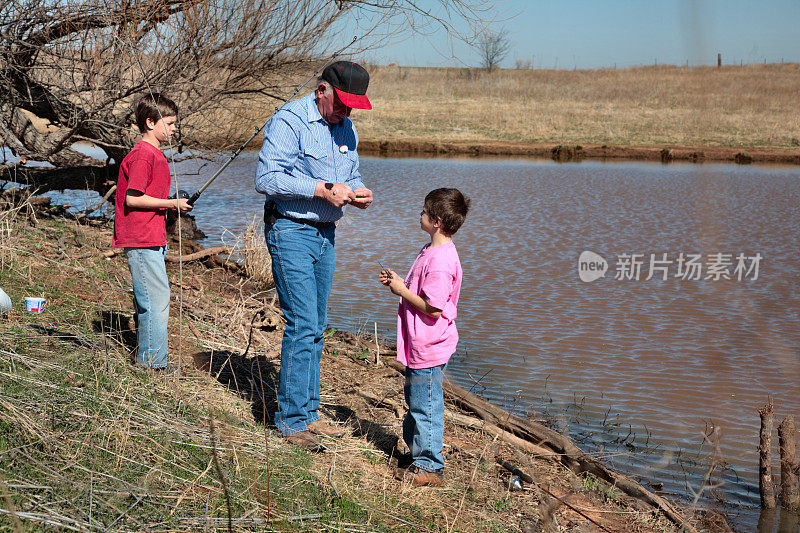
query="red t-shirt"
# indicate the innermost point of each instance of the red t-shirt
(144, 169)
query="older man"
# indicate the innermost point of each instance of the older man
(308, 168)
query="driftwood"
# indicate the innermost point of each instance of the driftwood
(202, 254)
(765, 485)
(99, 204)
(570, 455)
(38, 201)
(505, 436)
(790, 494)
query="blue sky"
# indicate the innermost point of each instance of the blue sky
(595, 34)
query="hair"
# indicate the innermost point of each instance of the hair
(449, 206)
(153, 106)
(326, 83)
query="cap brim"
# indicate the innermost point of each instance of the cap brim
(356, 101)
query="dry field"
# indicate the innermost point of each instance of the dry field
(754, 105)
(748, 106)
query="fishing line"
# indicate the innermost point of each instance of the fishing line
(193, 198)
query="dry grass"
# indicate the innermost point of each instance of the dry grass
(257, 261)
(754, 105)
(748, 106)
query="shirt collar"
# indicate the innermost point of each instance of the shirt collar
(313, 111)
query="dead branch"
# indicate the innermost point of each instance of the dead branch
(202, 254)
(72, 71)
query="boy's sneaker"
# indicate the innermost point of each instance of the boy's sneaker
(420, 478)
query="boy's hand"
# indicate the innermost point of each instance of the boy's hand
(363, 198)
(390, 279)
(184, 206)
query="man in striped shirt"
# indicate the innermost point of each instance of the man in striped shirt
(308, 169)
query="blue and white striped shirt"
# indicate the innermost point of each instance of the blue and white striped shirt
(301, 149)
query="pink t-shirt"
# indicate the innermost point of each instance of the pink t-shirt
(424, 341)
(144, 169)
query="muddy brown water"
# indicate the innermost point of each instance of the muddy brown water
(661, 377)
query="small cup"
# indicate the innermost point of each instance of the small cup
(34, 304)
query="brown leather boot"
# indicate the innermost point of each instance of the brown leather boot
(305, 439)
(421, 478)
(319, 427)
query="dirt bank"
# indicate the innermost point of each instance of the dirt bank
(561, 152)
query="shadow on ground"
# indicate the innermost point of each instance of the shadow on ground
(256, 380)
(119, 326)
(253, 378)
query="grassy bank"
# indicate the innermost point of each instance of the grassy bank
(89, 442)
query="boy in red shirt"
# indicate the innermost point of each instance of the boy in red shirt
(140, 225)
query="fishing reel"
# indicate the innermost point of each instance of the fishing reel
(183, 194)
(179, 194)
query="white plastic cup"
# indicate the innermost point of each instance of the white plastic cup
(34, 304)
(5, 303)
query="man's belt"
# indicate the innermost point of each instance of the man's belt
(271, 214)
(315, 224)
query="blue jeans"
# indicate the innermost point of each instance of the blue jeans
(151, 292)
(423, 426)
(303, 262)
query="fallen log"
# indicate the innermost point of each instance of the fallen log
(505, 436)
(202, 254)
(570, 455)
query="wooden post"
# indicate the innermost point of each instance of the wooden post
(377, 347)
(719, 60)
(790, 493)
(765, 485)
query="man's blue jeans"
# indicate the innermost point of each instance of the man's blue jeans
(151, 292)
(303, 262)
(423, 426)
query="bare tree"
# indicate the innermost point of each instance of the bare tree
(70, 70)
(493, 47)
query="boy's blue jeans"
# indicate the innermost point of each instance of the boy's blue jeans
(303, 263)
(423, 426)
(151, 292)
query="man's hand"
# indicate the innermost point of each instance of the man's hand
(363, 198)
(337, 194)
(184, 206)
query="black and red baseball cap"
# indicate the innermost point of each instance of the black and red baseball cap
(350, 81)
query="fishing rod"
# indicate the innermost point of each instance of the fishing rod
(193, 198)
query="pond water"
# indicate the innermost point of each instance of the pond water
(663, 377)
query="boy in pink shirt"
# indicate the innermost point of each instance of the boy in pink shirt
(426, 331)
